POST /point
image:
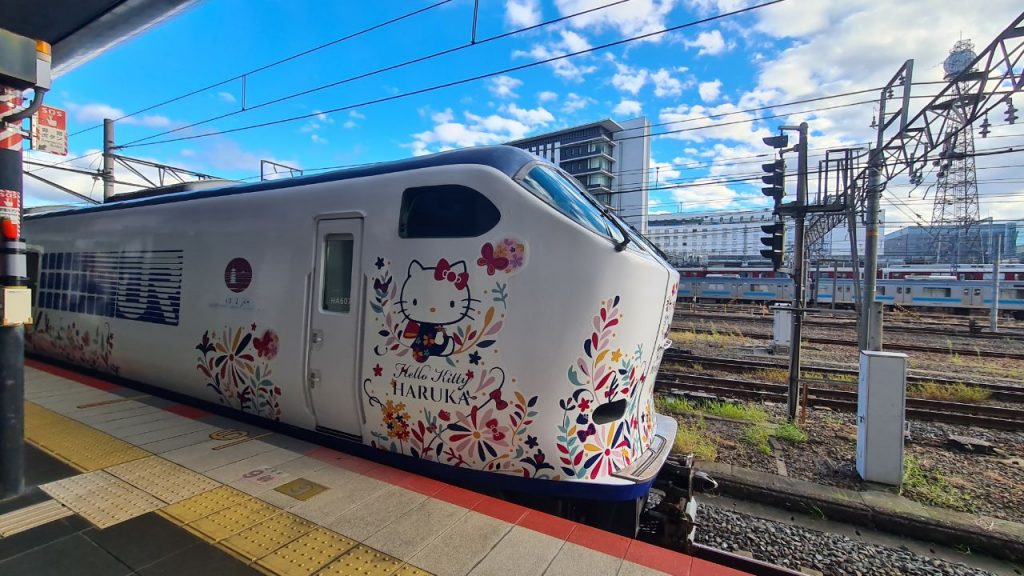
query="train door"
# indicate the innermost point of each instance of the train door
(334, 324)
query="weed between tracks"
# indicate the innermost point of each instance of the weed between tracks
(930, 487)
(742, 412)
(958, 392)
(713, 338)
(693, 438)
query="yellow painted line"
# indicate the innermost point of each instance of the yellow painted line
(202, 505)
(80, 445)
(242, 441)
(29, 517)
(101, 498)
(108, 402)
(260, 540)
(164, 479)
(364, 561)
(306, 554)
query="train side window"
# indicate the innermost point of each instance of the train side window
(899, 289)
(977, 291)
(449, 211)
(337, 295)
(881, 290)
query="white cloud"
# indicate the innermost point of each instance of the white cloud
(547, 96)
(356, 115)
(665, 84)
(629, 79)
(662, 171)
(710, 43)
(570, 69)
(574, 103)
(522, 13)
(531, 117)
(628, 19)
(349, 124)
(478, 130)
(226, 97)
(627, 108)
(694, 126)
(504, 86)
(709, 91)
(323, 117)
(96, 112)
(318, 139)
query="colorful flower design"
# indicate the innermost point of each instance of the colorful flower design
(478, 433)
(89, 347)
(396, 420)
(514, 252)
(603, 374)
(236, 364)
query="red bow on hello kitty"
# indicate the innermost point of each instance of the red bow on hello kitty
(444, 271)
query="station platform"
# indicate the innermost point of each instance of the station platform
(129, 483)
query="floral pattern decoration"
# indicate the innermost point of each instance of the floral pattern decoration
(603, 374)
(89, 347)
(236, 365)
(491, 430)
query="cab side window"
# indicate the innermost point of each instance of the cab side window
(449, 211)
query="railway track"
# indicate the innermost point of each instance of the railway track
(1005, 392)
(844, 400)
(891, 346)
(933, 328)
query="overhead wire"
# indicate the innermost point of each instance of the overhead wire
(461, 81)
(267, 66)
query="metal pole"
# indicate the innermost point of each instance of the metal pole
(108, 159)
(798, 274)
(851, 222)
(994, 319)
(12, 338)
(869, 314)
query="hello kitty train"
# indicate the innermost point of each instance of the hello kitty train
(473, 315)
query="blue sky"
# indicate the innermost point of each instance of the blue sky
(797, 49)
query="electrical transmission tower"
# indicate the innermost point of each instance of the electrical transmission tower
(955, 216)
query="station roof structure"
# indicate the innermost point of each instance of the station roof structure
(79, 30)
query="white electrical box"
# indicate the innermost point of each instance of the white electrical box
(15, 306)
(782, 329)
(881, 409)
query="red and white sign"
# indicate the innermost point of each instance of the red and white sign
(10, 214)
(10, 134)
(50, 130)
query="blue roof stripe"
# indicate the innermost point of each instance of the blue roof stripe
(506, 159)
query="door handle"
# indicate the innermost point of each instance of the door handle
(314, 378)
(316, 337)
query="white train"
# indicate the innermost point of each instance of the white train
(474, 313)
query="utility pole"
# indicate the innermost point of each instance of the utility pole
(799, 257)
(994, 319)
(108, 159)
(25, 64)
(871, 311)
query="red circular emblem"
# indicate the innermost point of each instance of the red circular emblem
(238, 275)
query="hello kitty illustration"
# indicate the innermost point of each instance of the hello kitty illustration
(432, 298)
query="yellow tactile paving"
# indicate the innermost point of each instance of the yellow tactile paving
(82, 446)
(202, 505)
(164, 479)
(101, 498)
(364, 561)
(31, 516)
(124, 481)
(231, 521)
(263, 538)
(306, 554)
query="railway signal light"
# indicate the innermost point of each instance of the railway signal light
(780, 141)
(776, 243)
(776, 181)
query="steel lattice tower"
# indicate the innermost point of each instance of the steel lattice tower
(955, 215)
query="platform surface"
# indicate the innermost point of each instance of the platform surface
(128, 483)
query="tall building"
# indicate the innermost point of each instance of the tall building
(931, 244)
(611, 160)
(691, 238)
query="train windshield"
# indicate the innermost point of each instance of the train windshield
(555, 189)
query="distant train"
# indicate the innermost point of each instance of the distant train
(474, 313)
(911, 287)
